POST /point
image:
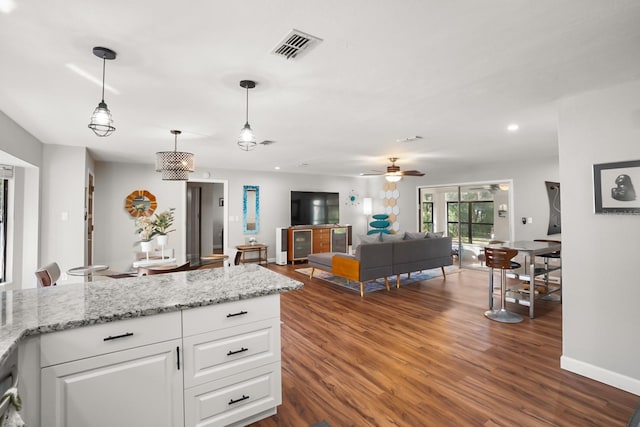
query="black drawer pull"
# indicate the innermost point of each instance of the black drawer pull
(231, 402)
(242, 349)
(109, 338)
(240, 313)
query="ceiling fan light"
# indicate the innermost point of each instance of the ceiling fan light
(393, 177)
(101, 121)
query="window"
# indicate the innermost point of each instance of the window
(471, 220)
(4, 197)
(426, 212)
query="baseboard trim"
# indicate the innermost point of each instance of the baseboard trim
(614, 379)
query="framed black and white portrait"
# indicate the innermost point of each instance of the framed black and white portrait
(614, 187)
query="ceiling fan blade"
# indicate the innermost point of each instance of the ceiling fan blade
(372, 174)
(412, 173)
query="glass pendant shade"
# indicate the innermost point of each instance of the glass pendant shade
(247, 140)
(101, 122)
(393, 178)
(175, 165)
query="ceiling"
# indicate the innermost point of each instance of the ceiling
(455, 73)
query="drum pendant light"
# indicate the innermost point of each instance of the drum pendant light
(175, 165)
(247, 140)
(101, 122)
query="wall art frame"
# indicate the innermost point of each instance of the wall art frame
(613, 187)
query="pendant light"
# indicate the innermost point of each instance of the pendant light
(101, 122)
(175, 165)
(247, 140)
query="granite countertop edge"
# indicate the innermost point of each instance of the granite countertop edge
(12, 337)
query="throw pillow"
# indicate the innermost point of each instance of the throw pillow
(414, 236)
(374, 238)
(392, 237)
(436, 234)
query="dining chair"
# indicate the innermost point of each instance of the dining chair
(149, 271)
(48, 275)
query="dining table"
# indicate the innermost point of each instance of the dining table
(530, 249)
(87, 270)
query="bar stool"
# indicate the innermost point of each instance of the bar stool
(500, 258)
(547, 257)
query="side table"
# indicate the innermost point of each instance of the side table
(244, 249)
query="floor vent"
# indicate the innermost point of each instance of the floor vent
(295, 44)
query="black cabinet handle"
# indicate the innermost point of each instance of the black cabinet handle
(109, 338)
(242, 349)
(231, 402)
(240, 313)
(178, 354)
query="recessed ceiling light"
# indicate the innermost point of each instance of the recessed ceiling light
(7, 6)
(277, 168)
(513, 127)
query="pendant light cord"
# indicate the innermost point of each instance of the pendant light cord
(247, 106)
(175, 144)
(104, 60)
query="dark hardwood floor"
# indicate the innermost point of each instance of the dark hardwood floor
(425, 355)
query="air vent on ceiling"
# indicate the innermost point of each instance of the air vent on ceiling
(295, 44)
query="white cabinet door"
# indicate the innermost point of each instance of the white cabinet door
(136, 387)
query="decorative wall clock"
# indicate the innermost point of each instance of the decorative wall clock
(353, 199)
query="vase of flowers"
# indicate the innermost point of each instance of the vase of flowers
(162, 223)
(144, 228)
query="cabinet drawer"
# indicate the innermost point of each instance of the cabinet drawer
(87, 341)
(226, 352)
(234, 398)
(220, 316)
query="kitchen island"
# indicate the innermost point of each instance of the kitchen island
(81, 343)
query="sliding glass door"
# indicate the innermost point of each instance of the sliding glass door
(472, 215)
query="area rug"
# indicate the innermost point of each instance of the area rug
(378, 284)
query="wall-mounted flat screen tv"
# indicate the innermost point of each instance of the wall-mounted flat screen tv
(314, 208)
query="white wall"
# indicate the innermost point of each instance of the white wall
(21, 149)
(528, 191)
(63, 236)
(600, 252)
(114, 231)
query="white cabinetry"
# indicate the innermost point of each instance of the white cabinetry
(232, 362)
(136, 387)
(122, 373)
(217, 365)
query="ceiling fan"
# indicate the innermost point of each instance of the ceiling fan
(393, 173)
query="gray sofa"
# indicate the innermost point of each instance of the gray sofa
(383, 259)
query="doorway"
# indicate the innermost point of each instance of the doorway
(206, 219)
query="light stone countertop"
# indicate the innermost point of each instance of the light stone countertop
(38, 311)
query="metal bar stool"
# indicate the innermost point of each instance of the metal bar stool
(481, 257)
(547, 257)
(500, 258)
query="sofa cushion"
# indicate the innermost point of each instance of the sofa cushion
(424, 254)
(437, 234)
(321, 260)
